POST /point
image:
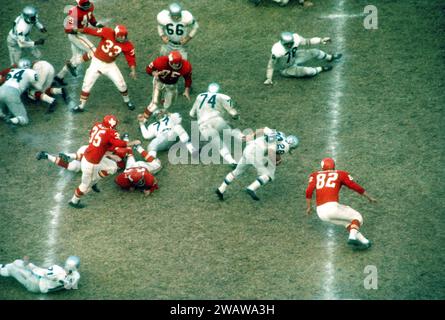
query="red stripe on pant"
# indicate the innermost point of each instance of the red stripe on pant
(78, 193)
(355, 224)
(103, 173)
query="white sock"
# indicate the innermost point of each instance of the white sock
(46, 98)
(254, 186)
(126, 98)
(319, 69)
(353, 233)
(152, 153)
(52, 158)
(75, 199)
(56, 90)
(82, 103)
(63, 72)
(362, 238)
(227, 180)
(328, 57)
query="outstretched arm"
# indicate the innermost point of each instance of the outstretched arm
(367, 196)
(269, 70)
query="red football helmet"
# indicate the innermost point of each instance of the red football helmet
(83, 4)
(121, 33)
(328, 164)
(110, 121)
(175, 59)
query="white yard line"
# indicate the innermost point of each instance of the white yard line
(333, 145)
(66, 143)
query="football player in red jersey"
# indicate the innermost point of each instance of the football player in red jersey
(103, 137)
(166, 71)
(113, 42)
(139, 175)
(78, 17)
(327, 184)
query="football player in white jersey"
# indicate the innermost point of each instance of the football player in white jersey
(163, 134)
(176, 27)
(287, 57)
(44, 280)
(46, 72)
(264, 154)
(17, 81)
(18, 37)
(209, 107)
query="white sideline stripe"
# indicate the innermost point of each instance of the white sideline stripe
(333, 144)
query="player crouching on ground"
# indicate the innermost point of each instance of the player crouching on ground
(139, 175)
(163, 133)
(264, 154)
(327, 184)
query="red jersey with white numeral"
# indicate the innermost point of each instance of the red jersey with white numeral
(171, 75)
(109, 48)
(327, 185)
(101, 140)
(137, 177)
(78, 18)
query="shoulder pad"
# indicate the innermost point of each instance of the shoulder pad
(163, 17)
(278, 50)
(297, 40)
(224, 96)
(176, 118)
(186, 17)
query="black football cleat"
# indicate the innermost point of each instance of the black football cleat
(252, 194)
(52, 107)
(65, 158)
(336, 56)
(72, 69)
(64, 95)
(95, 188)
(130, 106)
(77, 109)
(60, 81)
(326, 68)
(76, 205)
(219, 194)
(42, 155)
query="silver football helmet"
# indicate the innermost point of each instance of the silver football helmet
(72, 263)
(287, 39)
(24, 63)
(175, 10)
(29, 13)
(292, 141)
(213, 87)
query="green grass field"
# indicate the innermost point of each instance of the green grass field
(181, 242)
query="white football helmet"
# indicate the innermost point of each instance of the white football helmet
(175, 10)
(72, 263)
(213, 88)
(29, 13)
(292, 141)
(24, 63)
(287, 39)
